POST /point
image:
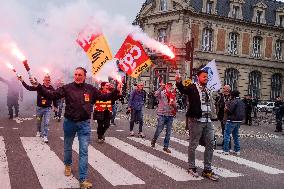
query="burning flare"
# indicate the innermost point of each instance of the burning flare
(10, 66)
(17, 53)
(46, 71)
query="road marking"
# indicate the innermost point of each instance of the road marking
(239, 160)
(173, 171)
(119, 130)
(4, 169)
(110, 170)
(48, 167)
(184, 157)
(1, 127)
(15, 128)
(93, 130)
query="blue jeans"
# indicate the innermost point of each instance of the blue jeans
(162, 122)
(114, 111)
(43, 118)
(232, 127)
(83, 130)
(59, 107)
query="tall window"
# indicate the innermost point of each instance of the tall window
(231, 78)
(276, 85)
(278, 49)
(233, 43)
(236, 12)
(160, 75)
(256, 47)
(209, 6)
(162, 36)
(164, 5)
(258, 16)
(281, 21)
(207, 39)
(254, 87)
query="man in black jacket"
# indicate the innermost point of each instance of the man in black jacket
(43, 109)
(79, 98)
(279, 111)
(198, 114)
(15, 91)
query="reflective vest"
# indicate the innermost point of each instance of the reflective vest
(101, 106)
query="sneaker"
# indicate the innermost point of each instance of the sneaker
(113, 124)
(45, 139)
(210, 175)
(141, 135)
(223, 152)
(100, 141)
(235, 153)
(85, 185)
(37, 134)
(67, 171)
(131, 133)
(153, 142)
(193, 172)
(167, 150)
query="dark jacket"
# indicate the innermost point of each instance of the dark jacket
(136, 99)
(194, 104)
(41, 100)
(15, 90)
(236, 110)
(79, 99)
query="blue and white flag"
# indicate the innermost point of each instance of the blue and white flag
(214, 83)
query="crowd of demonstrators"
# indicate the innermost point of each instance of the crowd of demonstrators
(200, 126)
(14, 94)
(279, 112)
(248, 109)
(136, 103)
(235, 109)
(79, 98)
(43, 108)
(221, 101)
(59, 102)
(166, 111)
(103, 111)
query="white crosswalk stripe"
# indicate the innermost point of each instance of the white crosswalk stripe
(110, 170)
(162, 166)
(48, 167)
(235, 159)
(184, 157)
(4, 170)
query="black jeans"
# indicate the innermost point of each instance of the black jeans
(279, 117)
(103, 125)
(136, 116)
(11, 104)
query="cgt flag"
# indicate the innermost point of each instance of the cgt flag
(96, 48)
(214, 83)
(132, 57)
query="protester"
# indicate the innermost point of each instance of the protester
(135, 106)
(200, 126)
(235, 109)
(79, 97)
(103, 111)
(166, 111)
(14, 94)
(248, 109)
(43, 109)
(59, 108)
(279, 111)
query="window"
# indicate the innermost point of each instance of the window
(281, 21)
(160, 75)
(256, 51)
(258, 16)
(233, 43)
(164, 5)
(276, 85)
(231, 78)
(162, 36)
(254, 87)
(278, 50)
(236, 12)
(209, 6)
(207, 39)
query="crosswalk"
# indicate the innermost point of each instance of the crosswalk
(49, 167)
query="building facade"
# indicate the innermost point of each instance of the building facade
(245, 37)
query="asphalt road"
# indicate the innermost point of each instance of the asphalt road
(128, 163)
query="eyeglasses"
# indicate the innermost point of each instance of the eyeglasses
(78, 74)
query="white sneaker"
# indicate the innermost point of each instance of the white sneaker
(235, 153)
(131, 133)
(223, 152)
(37, 134)
(45, 139)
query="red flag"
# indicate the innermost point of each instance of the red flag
(132, 57)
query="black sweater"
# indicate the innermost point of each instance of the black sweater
(79, 99)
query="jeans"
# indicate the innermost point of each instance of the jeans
(60, 107)
(13, 102)
(164, 121)
(83, 130)
(43, 117)
(232, 127)
(103, 125)
(197, 129)
(279, 117)
(114, 111)
(136, 116)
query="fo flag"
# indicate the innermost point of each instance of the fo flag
(214, 82)
(96, 48)
(132, 57)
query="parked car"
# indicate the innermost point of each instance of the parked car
(266, 106)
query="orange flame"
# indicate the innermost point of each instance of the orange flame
(167, 51)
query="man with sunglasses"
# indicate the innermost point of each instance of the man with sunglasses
(43, 109)
(79, 99)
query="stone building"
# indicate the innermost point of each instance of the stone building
(245, 37)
